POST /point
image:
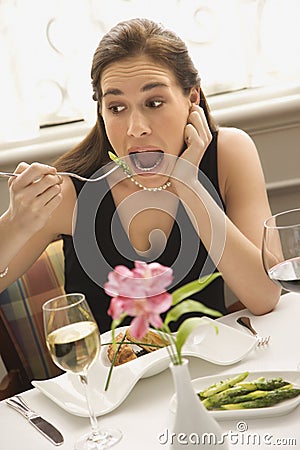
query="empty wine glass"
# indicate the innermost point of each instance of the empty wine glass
(281, 249)
(73, 340)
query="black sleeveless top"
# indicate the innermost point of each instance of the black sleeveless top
(99, 243)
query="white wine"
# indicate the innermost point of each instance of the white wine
(75, 347)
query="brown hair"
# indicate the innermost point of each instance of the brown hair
(127, 39)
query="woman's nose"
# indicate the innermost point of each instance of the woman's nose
(138, 124)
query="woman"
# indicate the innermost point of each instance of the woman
(184, 188)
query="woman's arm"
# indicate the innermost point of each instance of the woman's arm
(41, 208)
(233, 240)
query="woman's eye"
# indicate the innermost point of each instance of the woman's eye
(116, 109)
(155, 103)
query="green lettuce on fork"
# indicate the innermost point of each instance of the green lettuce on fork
(141, 293)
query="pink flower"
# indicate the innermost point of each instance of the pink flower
(141, 293)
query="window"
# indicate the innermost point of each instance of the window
(46, 55)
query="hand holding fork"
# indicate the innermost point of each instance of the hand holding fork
(74, 175)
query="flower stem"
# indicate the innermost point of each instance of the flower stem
(166, 333)
(113, 363)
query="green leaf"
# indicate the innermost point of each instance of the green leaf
(185, 330)
(113, 157)
(189, 306)
(191, 288)
(119, 161)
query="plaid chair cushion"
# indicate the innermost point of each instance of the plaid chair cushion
(21, 304)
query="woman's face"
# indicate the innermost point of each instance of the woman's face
(145, 113)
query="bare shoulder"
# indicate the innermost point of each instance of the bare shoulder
(238, 159)
(236, 148)
(231, 140)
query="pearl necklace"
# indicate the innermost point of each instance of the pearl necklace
(151, 189)
(128, 174)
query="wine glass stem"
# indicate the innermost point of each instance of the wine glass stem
(93, 419)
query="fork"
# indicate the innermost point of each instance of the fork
(74, 175)
(245, 322)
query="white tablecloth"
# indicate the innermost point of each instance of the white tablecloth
(145, 414)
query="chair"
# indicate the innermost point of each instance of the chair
(22, 345)
(236, 306)
(16, 380)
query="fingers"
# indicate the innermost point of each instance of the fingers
(21, 167)
(34, 195)
(190, 134)
(198, 121)
(43, 184)
(47, 196)
(36, 186)
(32, 173)
(35, 178)
(197, 135)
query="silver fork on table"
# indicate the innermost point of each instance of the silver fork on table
(246, 322)
(74, 175)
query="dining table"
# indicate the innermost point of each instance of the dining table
(144, 417)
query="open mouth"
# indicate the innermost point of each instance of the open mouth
(146, 161)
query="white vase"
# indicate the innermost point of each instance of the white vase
(194, 427)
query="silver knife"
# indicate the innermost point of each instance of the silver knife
(44, 427)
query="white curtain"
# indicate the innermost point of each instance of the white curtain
(46, 47)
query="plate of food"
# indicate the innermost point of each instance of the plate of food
(248, 395)
(133, 362)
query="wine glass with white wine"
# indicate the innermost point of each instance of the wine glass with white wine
(73, 340)
(281, 249)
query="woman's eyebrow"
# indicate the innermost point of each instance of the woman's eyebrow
(112, 92)
(149, 86)
(145, 88)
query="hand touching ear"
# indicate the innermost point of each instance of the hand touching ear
(197, 137)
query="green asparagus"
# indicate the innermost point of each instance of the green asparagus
(268, 399)
(234, 393)
(218, 387)
(264, 385)
(230, 395)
